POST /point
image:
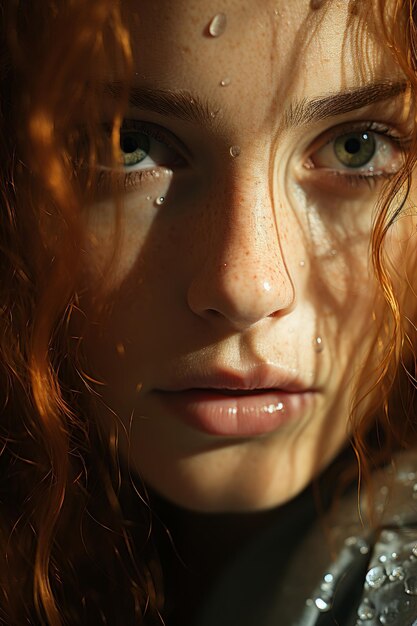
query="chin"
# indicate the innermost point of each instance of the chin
(226, 499)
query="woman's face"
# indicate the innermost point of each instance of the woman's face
(241, 299)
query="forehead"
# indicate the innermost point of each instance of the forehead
(269, 51)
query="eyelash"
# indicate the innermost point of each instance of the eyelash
(123, 179)
(354, 179)
(350, 180)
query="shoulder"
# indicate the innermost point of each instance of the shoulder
(350, 572)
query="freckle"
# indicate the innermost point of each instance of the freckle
(120, 349)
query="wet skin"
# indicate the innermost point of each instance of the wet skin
(256, 263)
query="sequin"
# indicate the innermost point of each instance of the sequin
(322, 604)
(366, 610)
(376, 577)
(410, 586)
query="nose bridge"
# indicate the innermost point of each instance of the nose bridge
(252, 237)
(244, 276)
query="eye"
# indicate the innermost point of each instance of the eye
(355, 149)
(143, 146)
(134, 148)
(349, 156)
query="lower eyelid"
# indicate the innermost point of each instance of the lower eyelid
(114, 181)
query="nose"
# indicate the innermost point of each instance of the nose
(243, 277)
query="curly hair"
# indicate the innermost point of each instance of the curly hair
(68, 545)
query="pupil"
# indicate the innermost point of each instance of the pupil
(352, 145)
(129, 144)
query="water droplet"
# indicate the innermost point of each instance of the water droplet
(410, 586)
(160, 200)
(272, 408)
(328, 578)
(414, 550)
(225, 82)
(376, 577)
(234, 151)
(139, 387)
(333, 252)
(302, 263)
(383, 558)
(217, 25)
(366, 610)
(149, 197)
(318, 344)
(322, 605)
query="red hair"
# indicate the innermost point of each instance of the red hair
(66, 546)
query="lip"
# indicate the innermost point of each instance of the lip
(236, 404)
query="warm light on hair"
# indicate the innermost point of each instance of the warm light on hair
(63, 534)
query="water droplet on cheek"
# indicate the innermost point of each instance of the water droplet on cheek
(234, 151)
(225, 82)
(217, 25)
(160, 200)
(318, 344)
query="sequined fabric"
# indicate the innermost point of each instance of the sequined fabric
(371, 578)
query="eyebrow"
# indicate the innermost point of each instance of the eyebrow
(318, 109)
(183, 105)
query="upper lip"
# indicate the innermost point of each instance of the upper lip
(262, 377)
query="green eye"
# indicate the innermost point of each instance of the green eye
(355, 149)
(134, 147)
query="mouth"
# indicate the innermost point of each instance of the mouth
(232, 404)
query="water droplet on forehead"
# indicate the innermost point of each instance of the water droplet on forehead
(234, 151)
(225, 82)
(217, 25)
(160, 200)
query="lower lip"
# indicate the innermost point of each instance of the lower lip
(216, 413)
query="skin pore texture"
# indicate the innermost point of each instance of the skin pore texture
(257, 259)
